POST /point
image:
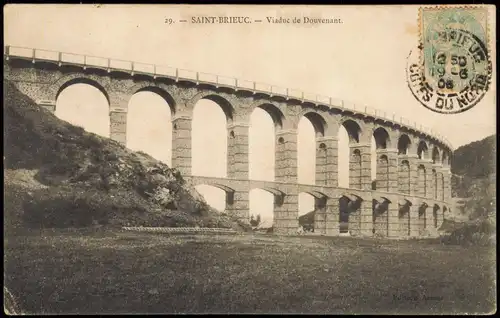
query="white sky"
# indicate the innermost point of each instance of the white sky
(362, 60)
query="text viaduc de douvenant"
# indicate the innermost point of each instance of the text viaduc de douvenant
(272, 20)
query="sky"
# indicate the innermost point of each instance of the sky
(362, 61)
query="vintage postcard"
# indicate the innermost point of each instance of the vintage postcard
(287, 159)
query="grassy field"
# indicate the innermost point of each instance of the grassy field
(69, 271)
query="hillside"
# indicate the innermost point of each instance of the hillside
(476, 159)
(474, 176)
(307, 220)
(58, 175)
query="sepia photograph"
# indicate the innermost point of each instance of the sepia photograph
(249, 159)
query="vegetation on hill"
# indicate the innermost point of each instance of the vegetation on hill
(474, 176)
(476, 159)
(59, 175)
(307, 221)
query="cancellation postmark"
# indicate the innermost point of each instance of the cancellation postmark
(450, 71)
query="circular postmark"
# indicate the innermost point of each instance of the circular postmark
(450, 72)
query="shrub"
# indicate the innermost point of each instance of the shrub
(255, 221)
(481, 233)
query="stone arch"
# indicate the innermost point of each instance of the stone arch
(65, 82)
(404, 143)
(316, 194)
(166, 95)
(351, 196)
(262, 201)
(317, 221)
(213, 132)
(404, 177)
(318, 122)
(349, 214)
(264, 123)
(445, 211)
(435, 155)
(422, 150)
(223, 187)
(225, 104)
(355, 171)
(382, 138)
(274, 111)
(383, 199)
(310, 127)
(279, 196)
(273, 191)
(444, 157)
(421, 181)
(353, 130)
(95, 116)
(207, 188)
(152, 105)
(382, 179)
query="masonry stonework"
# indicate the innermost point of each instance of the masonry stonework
(118, 129)
(181, 144)
(414, 220)
(237, 152)
(394, 222)
(286, 156)
(410, 193)
(238, 205)
(327, 161)
(286, 214)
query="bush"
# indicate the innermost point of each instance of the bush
(255, 221)
(481, 233)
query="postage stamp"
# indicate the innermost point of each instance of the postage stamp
(454, 66)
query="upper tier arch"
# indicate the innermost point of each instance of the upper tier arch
(161, 91)
(71, 79)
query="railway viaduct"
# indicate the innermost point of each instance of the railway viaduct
(412, 191)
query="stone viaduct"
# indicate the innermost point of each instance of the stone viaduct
(412, 191)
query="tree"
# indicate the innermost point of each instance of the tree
(255, 221)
